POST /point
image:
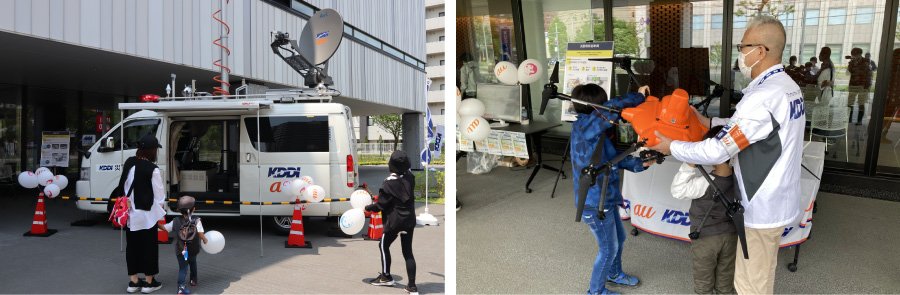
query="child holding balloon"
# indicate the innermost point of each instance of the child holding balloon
(189, 229)
(396, 201)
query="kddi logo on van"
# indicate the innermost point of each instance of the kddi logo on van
(284, 172)
(108, 168)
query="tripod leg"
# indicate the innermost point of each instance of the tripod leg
(793, 265)
(560, 172)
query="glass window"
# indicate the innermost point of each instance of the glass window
(134, 130)
(787, 19)
(302, 8)
(10, 132)
(716, 21)
(809, 51)
(348, 30)
(442, 62)
(786, 55)
(837, 16)
(740, 21)
(280, 134)
(362, 36)
(812, 17)
(697, 22)
(836, 57)
(411, 60)
(396, 53)
(864, 15)
(440, 14)
(440, 38)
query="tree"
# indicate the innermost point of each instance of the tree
(752, 8)
(557, 39)
(715, 53)
(625, 36)
(392, 123)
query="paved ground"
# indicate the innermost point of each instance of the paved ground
(88, 260)
(512, 242)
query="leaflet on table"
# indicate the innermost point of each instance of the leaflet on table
(498, 142)
(580, 70)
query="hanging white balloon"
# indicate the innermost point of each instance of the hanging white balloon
(314, 193)
(360, 199)
(61, 180)
(352, 221)
(45, 177)
(51, 191)
(28, 179)
(471, 107)
(506, 73)
(474, 128)
(530, 71)
(41, 169)
(215, 242)
(297, 186)
(285, 187)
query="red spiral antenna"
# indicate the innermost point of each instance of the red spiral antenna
(226, 52)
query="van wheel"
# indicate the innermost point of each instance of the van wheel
(282, 224)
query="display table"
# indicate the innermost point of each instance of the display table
(651, 208)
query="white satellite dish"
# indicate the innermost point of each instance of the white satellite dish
(321, 36)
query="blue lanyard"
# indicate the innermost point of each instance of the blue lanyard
(769, 74)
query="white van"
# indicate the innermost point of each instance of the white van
(234, 149)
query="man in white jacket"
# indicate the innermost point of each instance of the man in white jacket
(764, 138)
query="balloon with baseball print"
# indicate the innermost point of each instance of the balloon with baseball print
(297, 187)
(314, 193)
(61, 180)
(352, 221)
(308, 179)
(51, 191)
(360, 199)
(28, 179)
(530, 71)
(471, 107)
(45, 177)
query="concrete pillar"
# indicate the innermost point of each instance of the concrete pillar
(413, 137)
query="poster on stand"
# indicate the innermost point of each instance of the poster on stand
(54, 149)
(579, 69)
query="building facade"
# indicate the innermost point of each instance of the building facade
(68, 63)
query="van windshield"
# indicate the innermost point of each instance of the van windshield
(134, 130)
(292, 134)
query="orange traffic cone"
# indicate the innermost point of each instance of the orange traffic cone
(39, 224)
(162, 236)
(375, 227)
(296, 239)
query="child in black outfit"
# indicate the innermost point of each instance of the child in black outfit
(188, 229)
(396, 201)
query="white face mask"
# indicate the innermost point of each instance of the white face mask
(745, 70)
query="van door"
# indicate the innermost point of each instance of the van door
(290, 146)
(107, 161)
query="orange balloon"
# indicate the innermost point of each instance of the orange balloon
(672, 117)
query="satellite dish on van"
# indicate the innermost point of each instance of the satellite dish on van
(321, 36)
(309, 55)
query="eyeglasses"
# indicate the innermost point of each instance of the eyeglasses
(742, 46)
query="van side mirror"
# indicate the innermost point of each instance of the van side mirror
(107, 145)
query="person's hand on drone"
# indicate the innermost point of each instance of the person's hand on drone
(663, 145)
(645, 90)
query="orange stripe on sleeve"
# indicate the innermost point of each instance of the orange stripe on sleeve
(739, 137)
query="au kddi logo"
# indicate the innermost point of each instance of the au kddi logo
(284, 172)
(643, 211)
(676, 217)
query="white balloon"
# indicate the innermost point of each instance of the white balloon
(297, 187)
(474, 128)
(314, 193)
(61, 180)
(506, 73)
(352, 221)
(530, 71)
(45, 177)
(28, 179)
(215, 242)
(41, 169)
(285, 187)
(360, 199)
(308, 180)
(471, 107)
(51, 191)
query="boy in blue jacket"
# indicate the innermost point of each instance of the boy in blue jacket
(592, 125)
